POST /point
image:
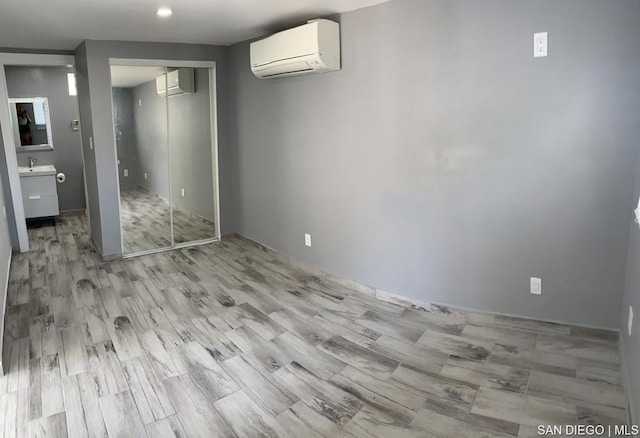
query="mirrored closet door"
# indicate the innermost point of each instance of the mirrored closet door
(190, 151)
(164, 132)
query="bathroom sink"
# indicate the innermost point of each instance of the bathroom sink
(46, 169)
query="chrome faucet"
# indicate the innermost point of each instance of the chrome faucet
(32, 162)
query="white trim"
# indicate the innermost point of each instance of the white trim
(215, 162)
(13, 102)
(4, 311)
(196, 243)
(36, 59)
(84, 181)
(161, 63)
(215, 165)
(22, 59)
(12, 164)
(115, 149)
(170, 248)
(169, 159)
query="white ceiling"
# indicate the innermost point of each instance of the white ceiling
(63, 24)
(125, 76)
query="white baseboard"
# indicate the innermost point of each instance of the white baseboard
(399, 299)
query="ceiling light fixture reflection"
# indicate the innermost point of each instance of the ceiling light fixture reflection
(164, 12)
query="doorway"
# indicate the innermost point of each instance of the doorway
(165, 137)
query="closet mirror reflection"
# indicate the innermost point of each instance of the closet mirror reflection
(164, 136)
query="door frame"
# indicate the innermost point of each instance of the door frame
(213, 106)
(26, 60)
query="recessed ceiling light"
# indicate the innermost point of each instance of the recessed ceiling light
(164, 12)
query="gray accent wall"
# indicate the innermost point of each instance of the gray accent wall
(92, 62)
(51, 82)
(151, 137)
(126, 141)
(190, 149)
(445, 163)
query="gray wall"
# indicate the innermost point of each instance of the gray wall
(189, 145)
(92, 59)
(91, 167)
(445, 163)
(51, 82)
(630, 345)
(190, 149)
(151, 136)
(126, 142)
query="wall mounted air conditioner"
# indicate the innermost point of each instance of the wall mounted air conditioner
(311, 48)
(179, 81)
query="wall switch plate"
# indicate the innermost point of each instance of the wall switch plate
(139, 102)
(307, 239)
(91, 143)
(630, 320)
(539, 44)
(536, 286)
(4, 212)
(145, 175)
(126, 172)
(183, 192)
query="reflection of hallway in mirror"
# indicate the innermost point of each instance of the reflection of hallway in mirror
(145, 222)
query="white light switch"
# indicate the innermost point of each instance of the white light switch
(307, 239)
(145, 175)
(539, 44)
(536, 286)
(91, 143)
(183, 192)
(126, 172)
(139, 102)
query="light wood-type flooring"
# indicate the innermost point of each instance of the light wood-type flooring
(146, 222)
(227, 339)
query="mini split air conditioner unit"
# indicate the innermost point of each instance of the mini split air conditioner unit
(178, 81)
(311, 48)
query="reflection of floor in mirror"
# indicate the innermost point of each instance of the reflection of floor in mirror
(146, 222)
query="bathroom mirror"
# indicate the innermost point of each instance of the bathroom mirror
(31, 123)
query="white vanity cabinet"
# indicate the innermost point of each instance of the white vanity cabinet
(39, 191)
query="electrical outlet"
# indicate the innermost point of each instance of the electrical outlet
(126, 172)
(307, 239)
(536, 286)
(630, 320)
(183, 192)
(539, 44)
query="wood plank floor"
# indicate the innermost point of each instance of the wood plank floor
(146, 222)
(228, 340)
